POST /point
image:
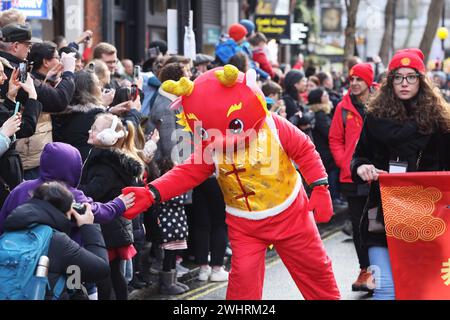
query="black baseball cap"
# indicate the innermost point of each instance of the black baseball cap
(14, 32)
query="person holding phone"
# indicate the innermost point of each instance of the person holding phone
(23, 125)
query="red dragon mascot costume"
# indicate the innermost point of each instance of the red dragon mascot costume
(252, 153)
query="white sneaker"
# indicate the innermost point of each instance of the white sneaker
(220, 275)
(204, 274)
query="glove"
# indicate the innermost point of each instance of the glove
(320, 203)
(68, 61)
(144, 200)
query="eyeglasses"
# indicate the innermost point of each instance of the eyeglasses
(410, 78)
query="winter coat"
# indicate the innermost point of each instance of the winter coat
(383, 140)
(72, 126)
(260, 57)
(320, 135)
(92, 258)
(344, 135)
(161, 111)
(11, 168)
(61, 162)
(106, 172)
(5, 143)
(54, 100)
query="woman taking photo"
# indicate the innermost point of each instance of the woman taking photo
(407, 126)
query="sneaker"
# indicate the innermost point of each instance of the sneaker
(365, 282)
(204, 273)
(219, 275)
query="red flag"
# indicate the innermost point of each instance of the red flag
(416, 210)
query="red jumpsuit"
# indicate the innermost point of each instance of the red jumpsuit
(290, 227)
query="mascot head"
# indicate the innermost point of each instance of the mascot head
(221, 106)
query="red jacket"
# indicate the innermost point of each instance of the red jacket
(260, 57)
(344, 138)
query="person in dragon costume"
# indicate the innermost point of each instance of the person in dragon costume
(252, 153)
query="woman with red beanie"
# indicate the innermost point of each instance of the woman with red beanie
(407, 125)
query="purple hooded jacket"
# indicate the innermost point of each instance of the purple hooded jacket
(61, 162)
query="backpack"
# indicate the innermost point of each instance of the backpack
(225, 50)
(20, 252)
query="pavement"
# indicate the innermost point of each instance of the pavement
(152, 291)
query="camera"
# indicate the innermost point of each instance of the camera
(79, 208)
(307, 118)
(23, 72)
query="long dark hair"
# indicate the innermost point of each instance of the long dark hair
(431, 112)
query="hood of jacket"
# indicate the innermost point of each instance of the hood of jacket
(61, 162)
(122, 164)
(37, 211)
(320, 107)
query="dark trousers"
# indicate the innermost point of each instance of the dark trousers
(355, 208)
(210, 229)
(333, 180)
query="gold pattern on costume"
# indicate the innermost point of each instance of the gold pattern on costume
(408, 213)
(258, 177)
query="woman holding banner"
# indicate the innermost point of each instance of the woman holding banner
(407, 129)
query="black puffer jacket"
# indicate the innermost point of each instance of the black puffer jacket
(92, 258)
(383, 140)
(105, 174)
(320, 135)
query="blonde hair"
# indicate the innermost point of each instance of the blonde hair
(100, 68)
(104, 48)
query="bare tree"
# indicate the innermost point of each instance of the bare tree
(389, 29)
(412, 16)
(434, 14)
(350, 30)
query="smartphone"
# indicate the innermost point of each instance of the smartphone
(23, 72)
(17, 109)
(134, 92)
(137, 72)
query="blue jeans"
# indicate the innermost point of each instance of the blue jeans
(382, 272)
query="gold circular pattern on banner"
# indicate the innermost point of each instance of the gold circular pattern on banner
(410, 234)
(397, 230)
(427, 232)
(408, 213)
(439, 226)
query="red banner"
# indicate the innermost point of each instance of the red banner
(416, 210)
